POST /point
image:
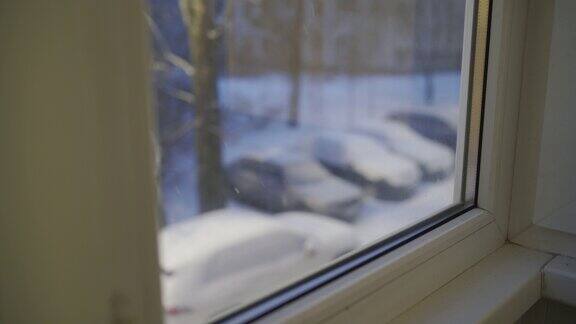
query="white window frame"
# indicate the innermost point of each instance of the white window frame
(468, 146)
(119, 243)
(524, 227)
(417, 269)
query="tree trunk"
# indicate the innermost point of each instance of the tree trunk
(424, 47)
(296, 62)
(202, 40)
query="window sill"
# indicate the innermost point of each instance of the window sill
(409, 273)
(499, 289)
(548, 240)
(560, 280)
(563, 220)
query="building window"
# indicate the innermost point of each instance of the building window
(277, 162)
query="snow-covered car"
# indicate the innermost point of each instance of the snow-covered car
(363, 160)
(222, 259)
(435, 160)
(431, 126)
(279, 181)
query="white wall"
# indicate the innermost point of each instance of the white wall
(539, 25)
(557, 170)
(77, 200)
(544, 189)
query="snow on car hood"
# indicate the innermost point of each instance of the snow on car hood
(367, 157)
(433, 157)
(328, 192)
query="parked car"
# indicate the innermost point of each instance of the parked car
(228, 257)
(435, 160)
(362, 160)
(281, 181)
(428, 125)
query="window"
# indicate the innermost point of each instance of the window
(285, 166)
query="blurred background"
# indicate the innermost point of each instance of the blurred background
(284, 68)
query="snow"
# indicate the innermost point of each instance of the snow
(328, 193)
(215, 230)
(383, 219)
(326, 239)
(434, 158)
(304, 171)
(281, 180)
(234, 255)
(343, 120)
(367, 157)
(328, 103)
(327, 234)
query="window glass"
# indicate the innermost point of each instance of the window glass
(293, 133)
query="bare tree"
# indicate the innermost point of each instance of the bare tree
(203, 37)
(295, 63)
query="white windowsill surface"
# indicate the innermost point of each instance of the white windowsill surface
(499, 289)
(410, 273)
(563, 220)
(546, 239)
(560, 280)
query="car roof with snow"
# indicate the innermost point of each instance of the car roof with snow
(365, 155)
(295, 165)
